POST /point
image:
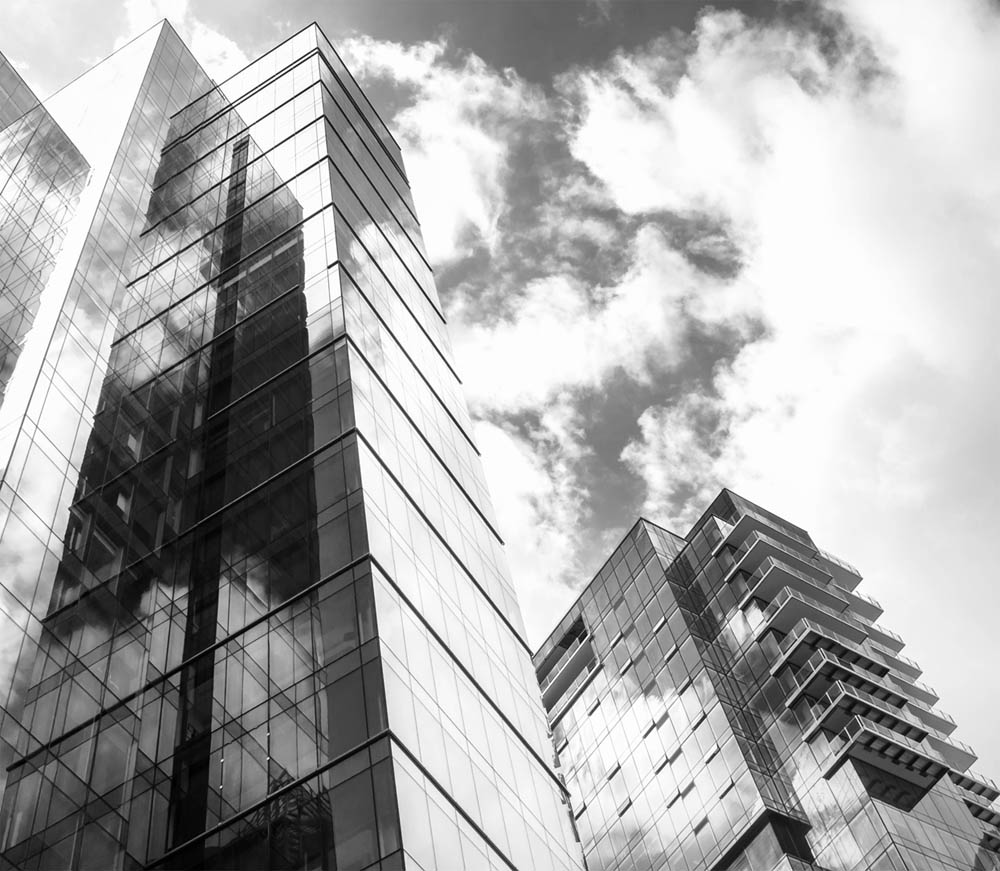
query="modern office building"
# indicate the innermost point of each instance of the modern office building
(727, 700)
(254, 609)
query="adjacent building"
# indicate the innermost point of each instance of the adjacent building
(254, 608)
(727, 701)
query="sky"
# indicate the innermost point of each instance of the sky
(683, 247)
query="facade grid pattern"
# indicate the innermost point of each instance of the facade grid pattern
(264, 619)
(728, 701)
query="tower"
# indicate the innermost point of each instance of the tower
(256, 607)
(728, 701)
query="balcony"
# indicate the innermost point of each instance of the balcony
(822, 670)
(957, 754)
(867, 607)
(809, 635)
(896, 660)
(558, 683)
(885, 637)
(567, 698)
(915, 689)
(842, 703)
(748, 524)
(976, 784)
(864, 740)
(760, 545)
(990, 837)
(937, 720)
(843, 572)
(771, 577)
(983, 810)
(790, 606)
(844, 575)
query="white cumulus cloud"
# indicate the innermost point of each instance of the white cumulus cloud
(455, 131)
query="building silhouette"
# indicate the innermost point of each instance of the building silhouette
(254, 609)
(728, 700)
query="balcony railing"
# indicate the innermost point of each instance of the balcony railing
(842, 702)
(772, 576)
(824, 638)
(796, 602)
(867, 607)
(824, 669)
(982, 810)
(862, 739)
(564, 658)
(959, 755)
(846, 574)
(896, 660)
(976, 784)
(937, 720)
(758, 542)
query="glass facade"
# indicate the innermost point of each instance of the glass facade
(255, 611)
(42, 174)
(728, 701)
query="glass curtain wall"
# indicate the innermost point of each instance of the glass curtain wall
(729, 701)
(277, 629)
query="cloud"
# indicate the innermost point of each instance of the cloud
(781, 238)
(860, 185)
(457, 130)
(676, 455)
(542, 504)
(562, 334)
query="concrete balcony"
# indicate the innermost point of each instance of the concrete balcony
(808, 636)
(843, 572)
(843, 702)
(983, 810)
(896, 660)
(866, 607)
(910, 760)
(772, 576)
(937, 720)
(823, 669)
(916, 689)
(976, 784)
(959, 755)
(791, 606)
(758, 546)
(990, 837)
(885, 637)
(748, 524)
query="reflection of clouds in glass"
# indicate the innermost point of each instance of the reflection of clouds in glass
(41, 177)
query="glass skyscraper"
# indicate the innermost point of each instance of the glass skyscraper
(727, 701)
(254, 608)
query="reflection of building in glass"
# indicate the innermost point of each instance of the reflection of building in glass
(727, 701)
(254, 610)
(41, 177)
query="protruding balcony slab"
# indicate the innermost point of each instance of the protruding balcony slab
(975, 783)
(842, 703)
(846, 575)
(823, 669)
(983, 810)
(772, 576)
(957, 754)
(909, 760)
(789, 607)
(808, 636)
(896, 660)
(937, 720)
